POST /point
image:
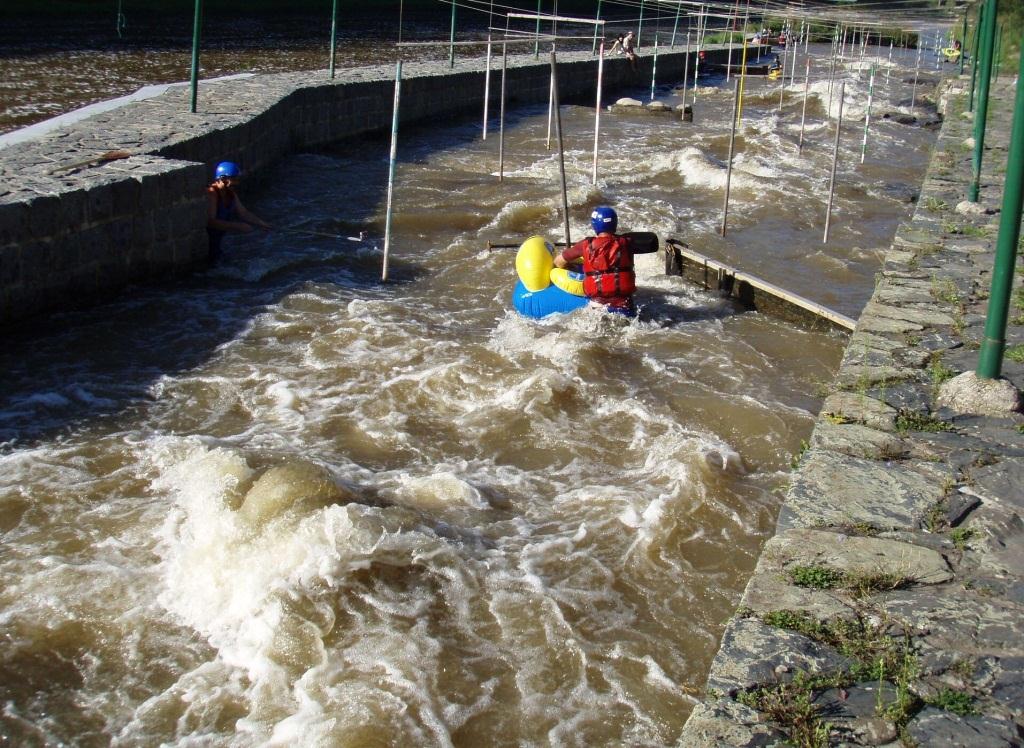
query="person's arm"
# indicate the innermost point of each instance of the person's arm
(249, 217)
(565, 258)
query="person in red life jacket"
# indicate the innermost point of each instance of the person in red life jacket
(608, 276)
(224, 211)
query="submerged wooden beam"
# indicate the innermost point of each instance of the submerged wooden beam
(752, 292)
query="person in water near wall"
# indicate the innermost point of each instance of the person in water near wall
(224, 211)
(608, 276)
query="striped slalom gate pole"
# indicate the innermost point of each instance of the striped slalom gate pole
(391, 170)
(867, 116)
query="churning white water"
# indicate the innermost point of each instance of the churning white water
(282, 503)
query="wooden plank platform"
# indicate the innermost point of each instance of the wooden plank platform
(751, 292)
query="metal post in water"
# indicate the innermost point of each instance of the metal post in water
(551, 111)
(981, 116)
(696, 68)
(391, 170)
(654, 65)
(487, 85)
(743, 78)
(197, 22)
(782, 77)
(501, 123)
(990, 358)
(451, 43)
(917, 73)
(536, 45)
(597, 111)
(728, 60)
(835, 161)
(803, 114)
(675, 27)
(867, 116)
(596, 27)
(561, 149)
(686, 74)
(732, 143)
(334, 34)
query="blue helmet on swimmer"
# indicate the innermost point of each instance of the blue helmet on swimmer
(227, 169)
(604, 219)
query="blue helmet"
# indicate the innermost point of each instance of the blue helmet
(227, 169)
(604, 219)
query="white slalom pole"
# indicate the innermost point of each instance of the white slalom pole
(597, 110)
(732, 143)
(654, 65)
(889, 66)
(835, 160)
(803, 115)
(686, 72)
(501, 138)
(391, 170)
(867, 117)
(487, 86)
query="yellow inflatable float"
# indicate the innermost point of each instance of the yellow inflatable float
(544, 289)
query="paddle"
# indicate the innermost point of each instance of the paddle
(101, 159)
(307, 232)
(644, 242)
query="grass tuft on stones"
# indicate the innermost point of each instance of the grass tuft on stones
(859, 584)
(877, 651)
(1015, 353)
(816, 576)
(961, 536)
(907, 421)
(957, 702)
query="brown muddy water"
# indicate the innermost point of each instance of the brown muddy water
(281, 503)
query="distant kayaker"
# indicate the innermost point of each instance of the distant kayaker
(224, 211)
(608, 276)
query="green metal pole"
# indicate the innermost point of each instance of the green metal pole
(990, 358)
(975, 54)
(122, 22)
(593, 51)
(334, 32)
(197, 22)
(987, 43)
(963, 45)
(451, 42)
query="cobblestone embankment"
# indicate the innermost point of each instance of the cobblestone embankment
(889, 607)
(76, 226)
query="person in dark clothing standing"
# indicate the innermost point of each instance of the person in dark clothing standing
(224, 211)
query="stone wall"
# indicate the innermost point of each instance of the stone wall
(889, 607)
(118, 197)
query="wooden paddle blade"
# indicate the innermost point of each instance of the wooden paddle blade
(643, 242)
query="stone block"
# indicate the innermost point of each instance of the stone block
(15, 217)
(832, 489)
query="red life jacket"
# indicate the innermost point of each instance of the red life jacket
(608, 267)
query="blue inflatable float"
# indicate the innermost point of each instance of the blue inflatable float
(542, 288)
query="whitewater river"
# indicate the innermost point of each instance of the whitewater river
(283, 503)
